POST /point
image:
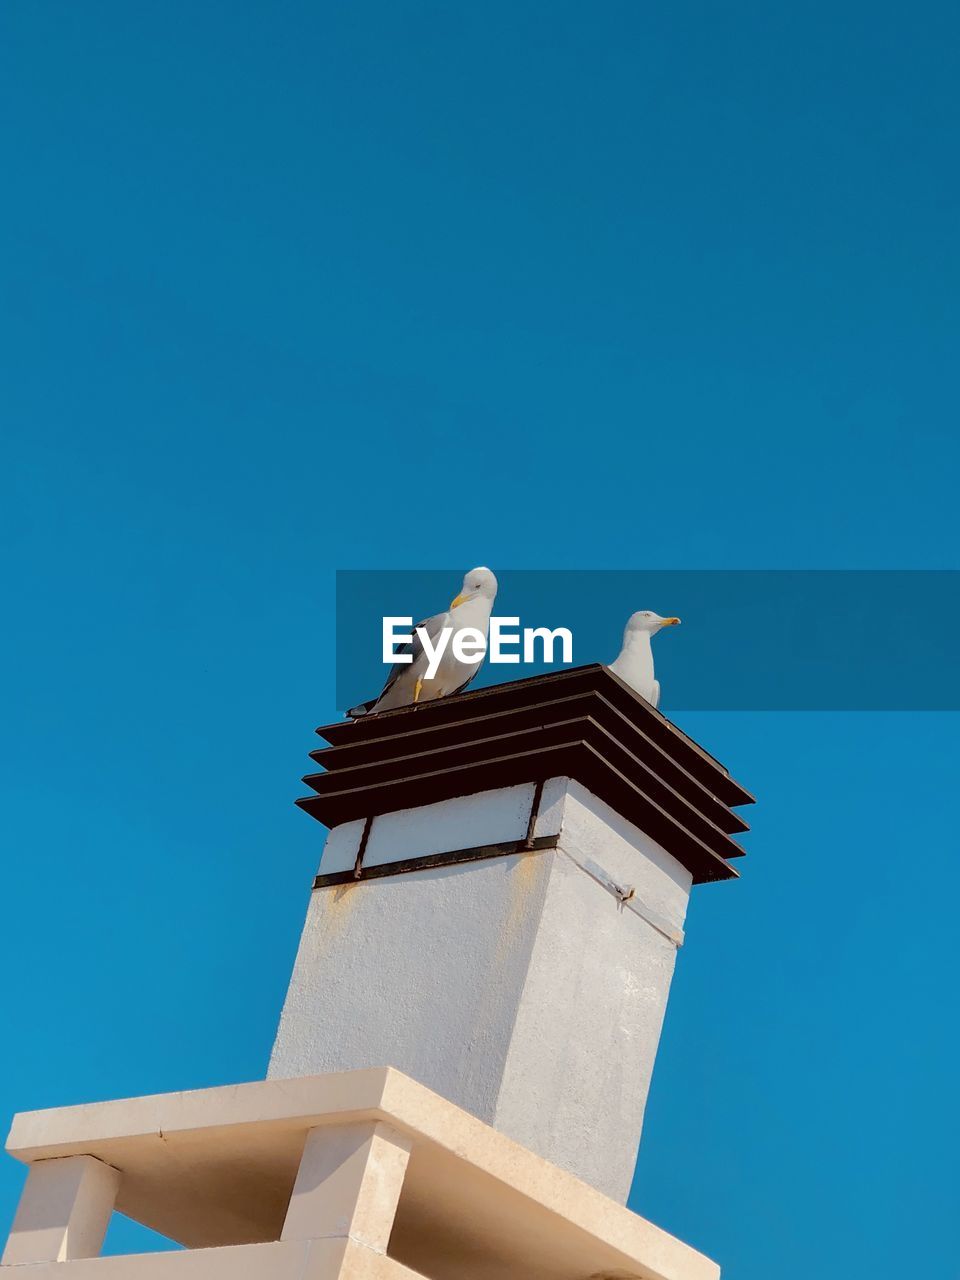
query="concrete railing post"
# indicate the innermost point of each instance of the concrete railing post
(64, 1211)
(348, 1185)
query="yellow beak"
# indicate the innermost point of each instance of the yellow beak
(459, 599)
(670, 622)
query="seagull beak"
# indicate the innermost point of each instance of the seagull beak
(670, 622)
(459, 599)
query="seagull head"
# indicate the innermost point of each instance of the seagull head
(477, 583)
(646, 620)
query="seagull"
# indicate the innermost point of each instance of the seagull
(634, 665)
(407, 682)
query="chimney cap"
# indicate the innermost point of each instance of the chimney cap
(582, 722)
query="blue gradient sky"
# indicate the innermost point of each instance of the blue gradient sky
(628, 286)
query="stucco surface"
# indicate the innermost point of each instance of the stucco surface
(423, 971)
(596, 991)
(520, 987)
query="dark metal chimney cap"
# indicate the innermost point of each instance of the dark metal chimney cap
(582, 722)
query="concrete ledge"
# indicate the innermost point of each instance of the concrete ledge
(216, 1167)
(301, 1260)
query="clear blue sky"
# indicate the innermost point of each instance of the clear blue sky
(660, 285)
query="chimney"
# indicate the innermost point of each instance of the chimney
(500, 902)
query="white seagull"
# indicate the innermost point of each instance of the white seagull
(634, 664)
(407, 681)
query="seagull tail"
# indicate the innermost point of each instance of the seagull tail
(361, 709)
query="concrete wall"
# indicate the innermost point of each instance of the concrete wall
(423, 971)
(588, 1025)
(520, 988)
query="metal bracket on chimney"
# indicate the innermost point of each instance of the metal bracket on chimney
(528, 840)
(364, 837)
(626, 896)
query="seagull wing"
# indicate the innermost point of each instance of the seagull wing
(418, 659)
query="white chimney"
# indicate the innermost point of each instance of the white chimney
(500, 903)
